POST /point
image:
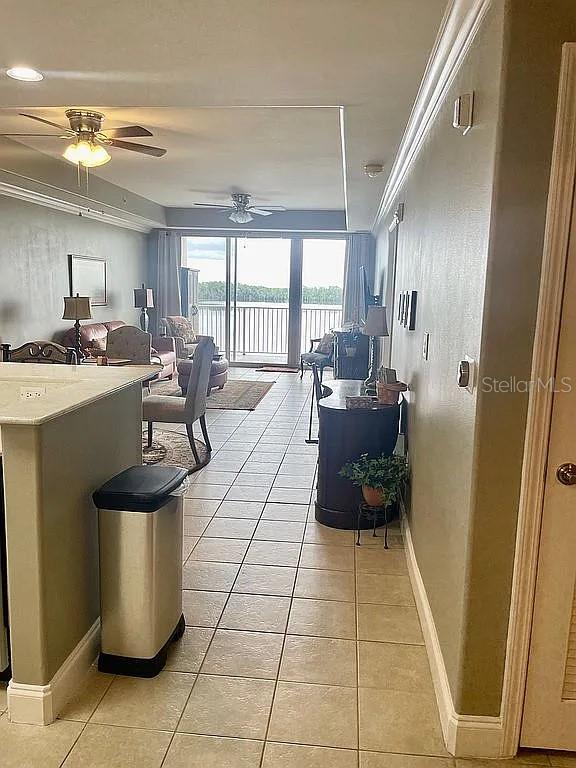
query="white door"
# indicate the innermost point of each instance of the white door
(549, 719)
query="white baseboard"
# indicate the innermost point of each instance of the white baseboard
(41, 704)
(465, 735)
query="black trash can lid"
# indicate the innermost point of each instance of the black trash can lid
(139, 488)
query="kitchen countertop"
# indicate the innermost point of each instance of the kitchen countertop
(57, 389)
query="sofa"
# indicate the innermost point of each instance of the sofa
(93, 342)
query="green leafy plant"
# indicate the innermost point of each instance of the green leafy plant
(387, 474)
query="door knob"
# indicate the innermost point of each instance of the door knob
(566, 473)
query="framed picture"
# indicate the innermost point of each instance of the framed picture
(413, 301)
(88, 278)
(401, 298)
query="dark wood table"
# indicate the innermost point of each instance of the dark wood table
(344, 434)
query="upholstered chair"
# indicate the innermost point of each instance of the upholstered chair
(169, 409)
(130, 343)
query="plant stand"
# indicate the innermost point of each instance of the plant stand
(365, 511)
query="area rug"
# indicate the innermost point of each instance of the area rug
(172, 449)
(237, 395)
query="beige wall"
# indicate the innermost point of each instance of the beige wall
(471, 245)
(34, 247)
(50, 473)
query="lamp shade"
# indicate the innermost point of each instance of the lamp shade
(77, 308)
(376, 324)
(143, 297)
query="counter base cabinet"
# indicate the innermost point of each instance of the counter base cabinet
(343, 436)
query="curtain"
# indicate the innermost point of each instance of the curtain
(360, 251)
(166, 259)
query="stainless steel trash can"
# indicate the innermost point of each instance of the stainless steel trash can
(140, 532)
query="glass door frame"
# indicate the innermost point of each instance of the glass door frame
(295, 290)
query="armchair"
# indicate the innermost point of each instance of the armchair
(321, 357)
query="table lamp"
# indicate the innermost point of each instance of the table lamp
(144, 300)
(375, 325)
(77, 308)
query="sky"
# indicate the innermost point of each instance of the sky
(265, 261)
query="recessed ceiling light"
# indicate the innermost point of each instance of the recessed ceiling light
(25, 73)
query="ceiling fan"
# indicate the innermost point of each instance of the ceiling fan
(89, 141)
(241, 210)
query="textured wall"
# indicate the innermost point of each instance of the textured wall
(471, 244)
(34, 247)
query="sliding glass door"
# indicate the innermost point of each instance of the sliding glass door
(260, 312)
(264, 298)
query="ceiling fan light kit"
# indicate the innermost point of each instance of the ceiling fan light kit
(86, 153)
(240, 217)
(241, 210)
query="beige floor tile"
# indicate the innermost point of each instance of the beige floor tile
(202, 609)
(387, 760)
(187, 751)
(389, 624)
(290, 495)
(298, 756)
(200, 507)
(523, 758)
(260, 613)
(275, 530)
(377, 560)
(82, 706)
(250, 510)
(155, 703)
(322, 618)
(539, 757)
(319, 660)
(265, 580)
(36, 746)
(327, 557)
(214, 477)
(324, 585)
(317, 715)
(212, 491)
(247, 493)
(220, 550)
(194, 526)
(285, 553)
(188, 544)
(244, 654)
(216, 577)
(385, 589)
(316, 533)
(106, 746)
(228, 706)
(413, 728)
(290, 512)
(258, 479)
(394, 666)
(261, 467)
(231, 528)
(187, 654)
(294, 481)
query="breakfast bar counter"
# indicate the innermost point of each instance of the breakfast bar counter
(64, 431)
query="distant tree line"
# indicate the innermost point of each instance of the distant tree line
(216, 291)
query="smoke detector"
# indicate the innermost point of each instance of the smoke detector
(373, 169)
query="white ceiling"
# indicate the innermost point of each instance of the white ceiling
(168, 64)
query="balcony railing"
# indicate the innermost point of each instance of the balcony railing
(262, 327)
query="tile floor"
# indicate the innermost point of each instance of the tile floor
(300, 650)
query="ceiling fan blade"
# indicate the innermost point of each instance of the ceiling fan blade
(144, 149)
(214, 205)
(260, 211)
(126, 132)
(46, 122)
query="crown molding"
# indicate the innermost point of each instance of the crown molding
(458, 29)
(75, 204)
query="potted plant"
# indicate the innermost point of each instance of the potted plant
(381, 479)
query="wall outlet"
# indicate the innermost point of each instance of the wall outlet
(426, 346)
(32, 393)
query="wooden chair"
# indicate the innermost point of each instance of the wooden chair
(39, 352)
(185, 410)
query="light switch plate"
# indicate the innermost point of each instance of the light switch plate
(426, 346)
